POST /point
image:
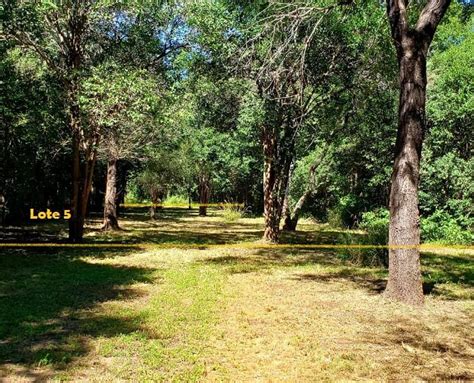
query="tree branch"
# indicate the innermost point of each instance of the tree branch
(430, 17)
(397, 16)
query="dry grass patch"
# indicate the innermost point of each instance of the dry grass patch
(313, 323)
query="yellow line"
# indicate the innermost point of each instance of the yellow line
(193, 205)
(249, 245)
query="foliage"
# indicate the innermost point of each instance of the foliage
(232, 212)
(441, 227)
(176, 199)
(123, 103)
(178, 90)
(375, 224)
(344, 214)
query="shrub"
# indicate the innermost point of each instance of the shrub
(232, 212)
(344, 214)
(375, 223)
(334, 218)
(441, 227)
(176, 200)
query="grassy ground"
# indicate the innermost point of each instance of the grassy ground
(224, 314)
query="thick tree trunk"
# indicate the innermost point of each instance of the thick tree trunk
(204, 194)
(271, 204)
(277, 163)
(405, 282)
(110, 208)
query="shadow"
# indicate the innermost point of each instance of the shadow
(322, 236)
(178, 226)
(266, 258)
(448, 268)
(43, 298)
(413, 337)
(372, 285)
(364, 280)
(438, 270)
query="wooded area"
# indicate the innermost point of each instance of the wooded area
(345, 125)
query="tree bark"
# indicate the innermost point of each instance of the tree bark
(405, 281)
(277, 163)
(110, 208)
(75, 222)
(155, 202)
(74, 60)
(270, 200)
(204, 194)
(291, 218)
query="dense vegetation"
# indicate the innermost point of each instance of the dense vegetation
(287, 108)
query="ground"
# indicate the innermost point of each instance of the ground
(164, 312)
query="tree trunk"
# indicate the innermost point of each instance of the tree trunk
(76, 224)
(277, 164)
(404, 280)
(155, 203)
(204, 194)
(271, 205)
(110, 208)
(291, 218)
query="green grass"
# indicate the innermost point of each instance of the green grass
(173, 328)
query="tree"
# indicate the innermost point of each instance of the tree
(314, 177)
(411, 43)
(163, 170)
(32, 135)
(122, 103)
(277, 59)
(58, 32)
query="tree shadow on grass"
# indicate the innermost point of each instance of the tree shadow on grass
(439, 271)
(44, 298)
(425, 347)
(448, 268)
(266, 258)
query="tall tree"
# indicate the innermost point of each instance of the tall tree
(411, 43)
(276, 58)
(59, 32)
(122, 104)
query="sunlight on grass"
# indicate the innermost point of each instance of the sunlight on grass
(173, 328)
(226, 314)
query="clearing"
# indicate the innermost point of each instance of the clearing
(223, 314)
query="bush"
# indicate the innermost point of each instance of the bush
(344, 214)
(179, 200)
(334, 218)
(375, 223)
(441, 227)
(232, 212)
